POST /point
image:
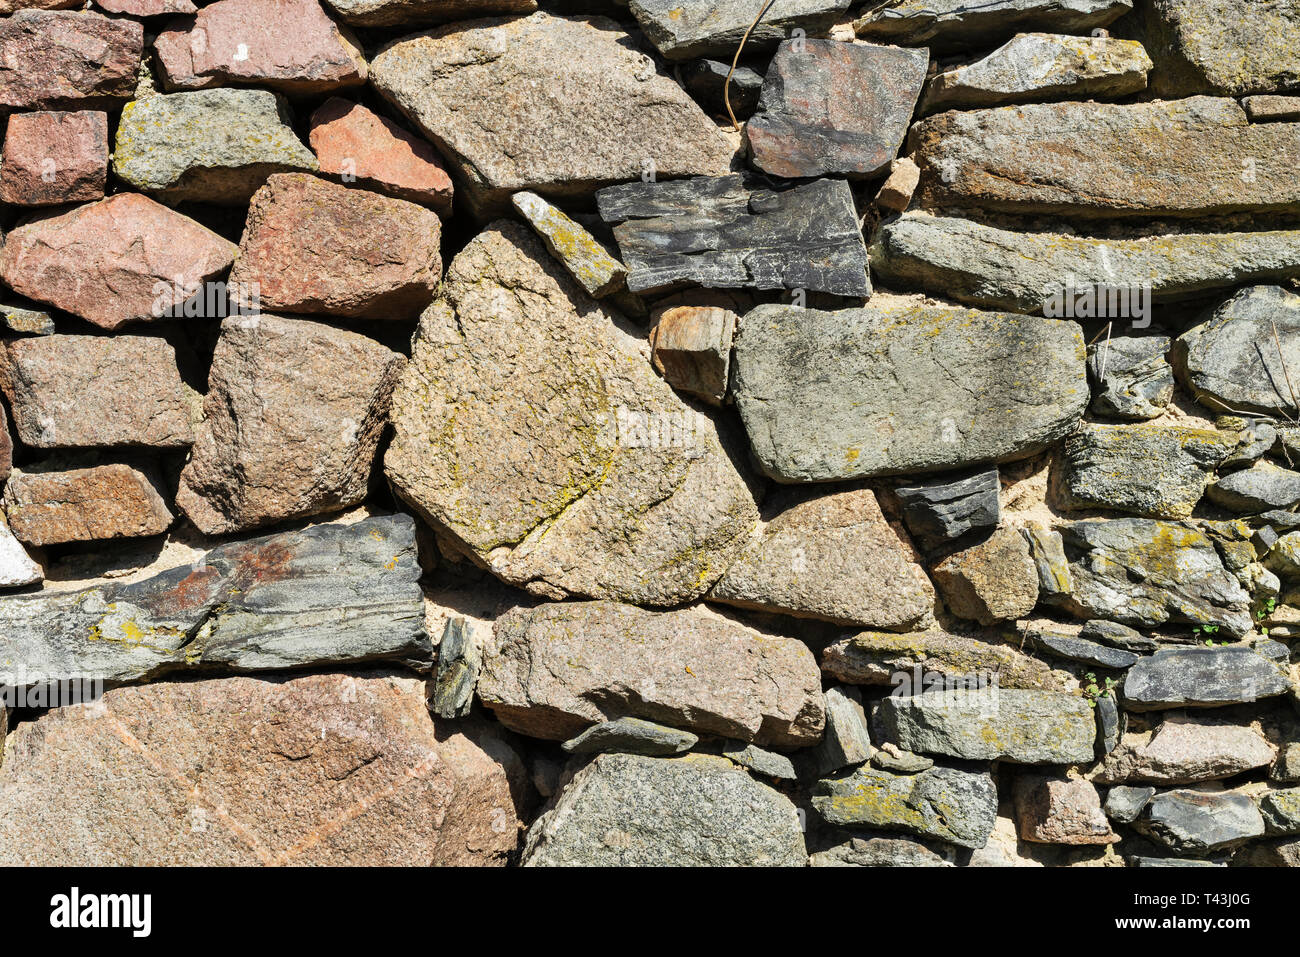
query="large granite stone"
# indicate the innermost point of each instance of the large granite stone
(685, 29)
(996, 580)
(883, 658)
(68, 60)
(949, 25)
(54, 157)
(1056, 810)
(1202, 677)
(50, 505)
(1185, 750)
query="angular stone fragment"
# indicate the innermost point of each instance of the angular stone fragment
(52, 158)
(691, 348)
(946, 512)
(993, 581)
(352, 141)
(1082, 650)
(1274, 109)
(208, 146)
(1124, 804)
(685, 29)
(623, 119)
(1202, 157)
(717, 233)
(1185, 751)
(558, 668)
(1220, 46)
(122, 259)
(833, 557)
(1131, 378)
(958, 807)
(1202, 678)
(1198, 823)
(1257, 489)
(626, 810)
(706, 80)
(26, 320)
(631, 736)
(960, 24)
(880, 658)
(992, 724)
(894, 759)
(760, 761)
(459, 660)
(1281, 811)
(1047, 549)
(878, 852)
(84, 505)
(146, 8)
(287, 45)
(16, 566)
(897, 191)
(798, 131)
(535, 432)
(846, 742)
(317, 770)
(316, 247)
(67, 60)
(1054, 810)
(404, 13)
(902, 388)
(293, 416)
(583, 257)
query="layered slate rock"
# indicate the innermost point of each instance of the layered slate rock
(956, 24)
(68, 60)
(1029, 271)
(1202, 677)
(799, 132)
(54, 157)
(1131, 377)
(946, 512)
(902, 388)
(1217, 46)
(1034, 67)
(361, 775)
(531, 428)
(686, 29)
(1199, 823)
(1185, 750)
(993, 581)
(208, 146)
(992, 724)
(910, 660)
(1055, 810)
(706, 80)
(288, 45)
(586, 260)
(54, 506)
(718, 233)
(623, 119)
(691, 349)
(328, 595)
(558, 668)
(97, 392)
(833, 557)
(402, 13)
(313, 246)
(626, 810)
(122, 259)
(951, 805)
(1074, 648)
(1260, 488)
(460, 658)
(1201, 157)
(293, 417)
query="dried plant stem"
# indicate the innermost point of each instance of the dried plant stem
(1277, 340)
(726, 87)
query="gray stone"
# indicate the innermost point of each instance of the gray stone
(760, 760)
(1281, 811)
(1131, 378)
(1124, 804)
(406, 13)
(993, 581)
(1047, 549)
(946, 512)
(949, 25)
(878, 852)
(631, 736)
(1260, 488)
(1118, 636)
(459, 661)
(1082, 650)
(1272, 109)
(846, 742)
(16, 566)
(1284, 557)
(1185, 750)
(706, 79)
(897, 761)
(1221, 46)
(885, 658)
(1142, 861)
(1202, 677)
(27, 319)
(586, 260)
(1269, 854)
(902, 388)
(1199, 823)
(1111, 723)
(684, 29)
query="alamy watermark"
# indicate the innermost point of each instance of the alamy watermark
(208, 300)
(1130, 302)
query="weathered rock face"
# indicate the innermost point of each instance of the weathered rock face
(906, 388)
(16, 568)
(1186, 751)
(292, 420)
(583, 257)
(1202, 678)
(556, 669)
(882, 658)
(393, 13)
(1257, 489)
(1214, 46)
(699, 810)
(944, 513)
(878, 852)
(455, 83)
(361, 775)
(833, 557)
(691, 348)
(123, 259)
(52, 507)
(631, 736)
(1198, 823)
(1072, 648)
(993, 581)
(1281, 811)
(949, 24)
(60, 60)
(1131, 378)
(847, 740)
(686, 29)
(706, 81)
(1276, 109)
(1074, 158)
(617, 490)
(1053, 810)
(54, 157)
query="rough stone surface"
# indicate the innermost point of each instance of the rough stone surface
(584, 258)
(1124, 804)
(16, 566)
(26, 320)
(1202, 678)
(685, 29)
(1131, 377)
(946, 512)
(706, 81)
(145, 8)
(1260, 488)
(899, 187)
(1217, 46)
(1054, 810)
(1047, 548)
(1281, 811)
(993, 581)
(631, 736)
(460, 659)
(1082, 650)
(846, 742)
(878, 852)
(52, 507)
(1277, 109)
(404, 13)
(68, 60)
(760, 761)
(958, 24)
(691, 348)
(1185, 750)
(882, 658)
(1199, 823)
(54, 157)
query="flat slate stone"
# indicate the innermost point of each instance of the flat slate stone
(631, 736)
(1199, 823)
(405, 13)
(949, 25)
(1262, 487)
(1202, 677)
(685, 29)
(846, 741)
(884, 658)
(1221, 46)
(946, 512)
(1115, 635)
(1080, 649)
(1281, 811)
(706, 81)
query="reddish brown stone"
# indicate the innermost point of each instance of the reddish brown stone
(84, 505)
(146, 8)
(316, 247)
(52, 158)
(122, 259)
(6, 446)
(351, 141)
(63, 59)
(13, 6)
(288, 45)
(1053, 810)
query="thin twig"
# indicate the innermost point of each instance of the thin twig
(1105, 354)
(1285, 371)
(726, 87)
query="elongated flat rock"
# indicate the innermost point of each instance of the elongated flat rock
(959, 24)
(902, 388)
(68, 60)
(404, 13)
(883, 658)
(1223, 47)
(686, 29)
(1202, 678)
(52, 506)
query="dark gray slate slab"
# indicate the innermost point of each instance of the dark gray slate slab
(1124, 804)
(459, 661)
(1080, 649)
(1118, 636)
(683, 29)
(948, 512)
(963, 24)
(1202, 677)
(1198, 823)
(706, 81)
(631, 736)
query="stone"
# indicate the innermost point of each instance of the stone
(25, 319)
(1202, 677)
(949, 25)
(1202, 158)
(1286, 769)
(947, 512)
(631, 736)
(181, 774)
(1272, 109)
(146, 8)
(1036, 271)
(623, 118)
(6, 442)
(293, 417)
(1199, 823)
(1081, 650)
(992, 724)
(993, 581)
(353, 142)
(799, 132)
(1257, 489)
(1217, 46)
(1145, 574)
(1055, 810)
(847, 742)
(207, 146)
(1255, 440)
(1034, 67)
(288, 45)
(834, 557)
(866, 392)
(1111, 722)
(53, 157)
(53, 507)
(947, 804)
(706, 81)
(326, 596)
(68, 60)
(685, 29)
(878, 852)
(1281, 811)
(123, 259)
(581, 472)
(1284, 557)
(883, 658)
(760, 761)
(1131, 378)
(405, 13)
(97, 392)
(1047, 549)
(16, 566)
(897, 761)
(1118, 636)
(553, 670)
(1185, 750)
(628, 810)
(718, 233)
(1154, 471)
(1124, 804)
(583, 257)
(691, 349)
(312, 246)
(1269, 854)
(896, 192)
(460, 659)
